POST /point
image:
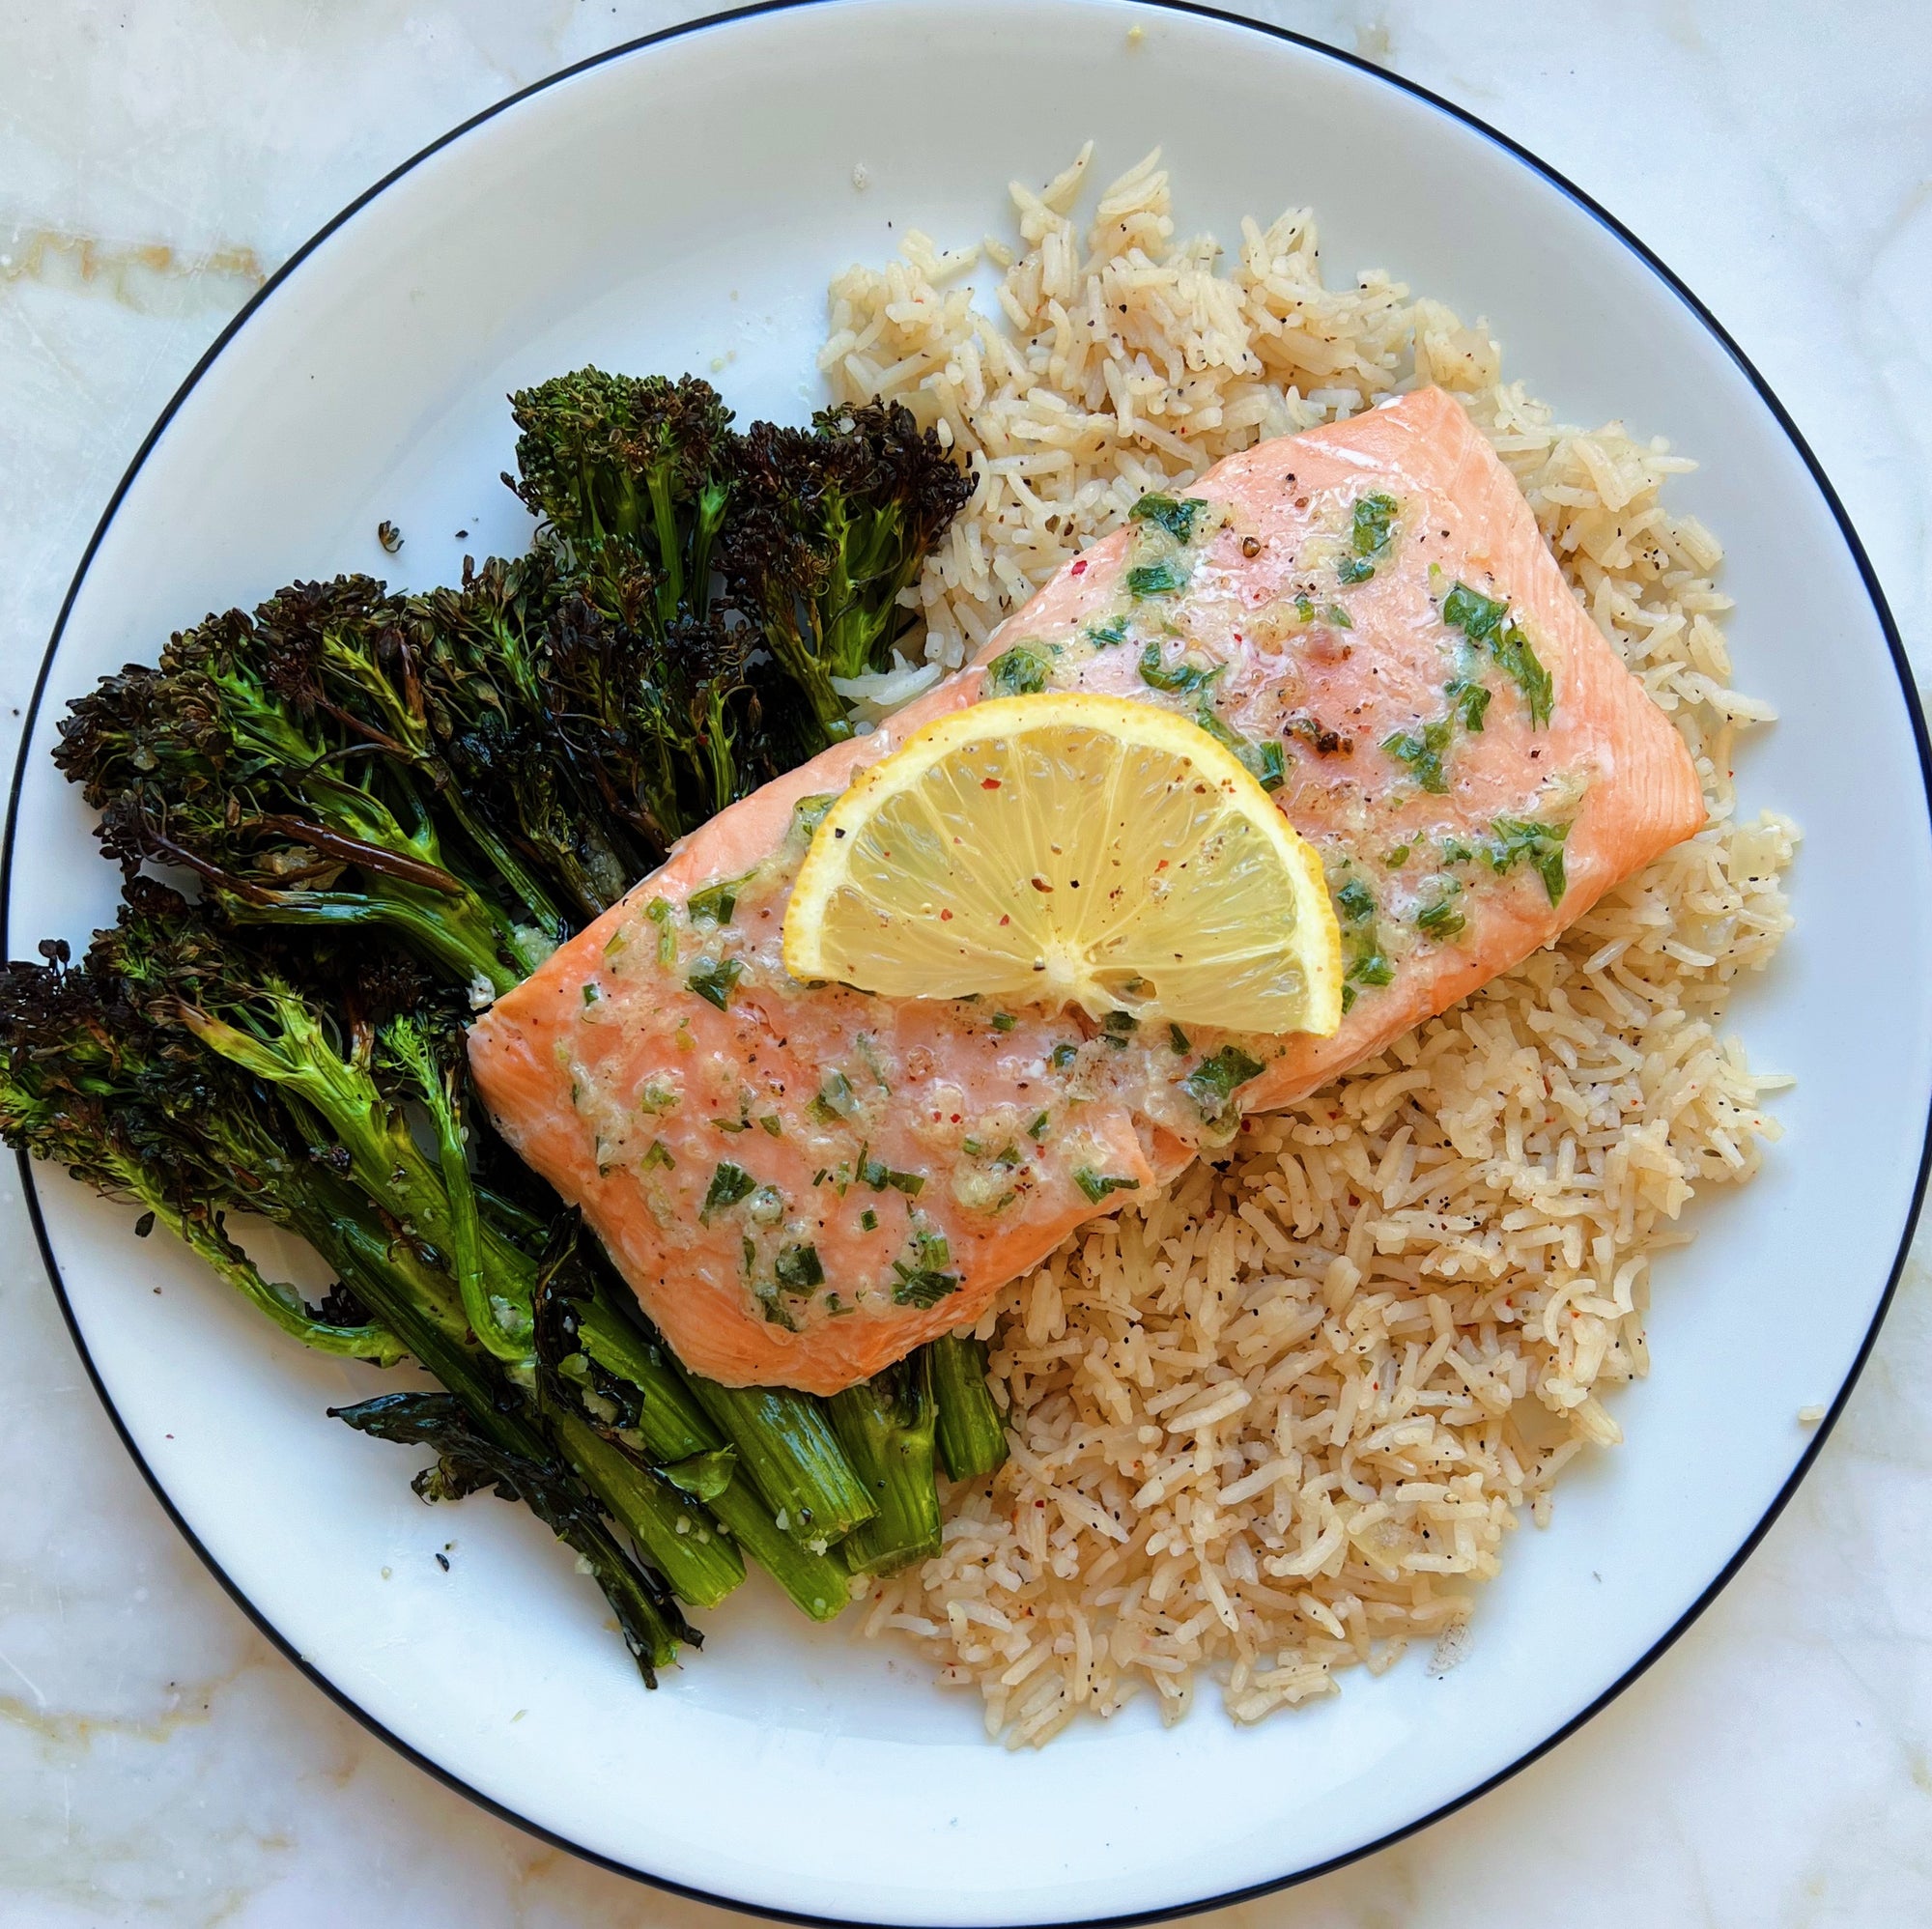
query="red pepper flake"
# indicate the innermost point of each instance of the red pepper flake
(1080, 567)
(989, 783)
(946, 916)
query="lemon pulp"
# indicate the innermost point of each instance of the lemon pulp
(1070, 848)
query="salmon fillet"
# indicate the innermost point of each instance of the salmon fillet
(802, 1185)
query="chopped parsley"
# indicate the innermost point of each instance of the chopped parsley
(799, 1267)
(1164, 512)
(1120, 1021)
(1520, 840)
(1062, 1055)
(1423, 754)
(1397, 858)
(716, 902)
(1003, 1021)
(835, 1100)
(1263, 762)
(659, 912)
(657, 1154)
(773, 1124)
(1097, 1185)
(1182, 676)
(869, 1221)
(1467, 700)
(1441, 920)
(713, 981)
(1019, 672)
(1156, 579)
(1486, 623)
(877, 1175)
(1340, 617)
(1211, 1084)
(1368, 965)
(729, 1185)
(1178, 1039)
(656, 1096)
(1106, 635)
(1349, 997)
(925, 1282)
(1369, 533)
(1355, 901)
(1037, 1129)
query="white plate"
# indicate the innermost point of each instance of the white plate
(686, 200)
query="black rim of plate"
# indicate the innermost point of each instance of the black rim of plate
(1908, 693)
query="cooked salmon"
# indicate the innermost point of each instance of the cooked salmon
(805, 1182)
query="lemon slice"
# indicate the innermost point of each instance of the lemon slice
(1071, 848)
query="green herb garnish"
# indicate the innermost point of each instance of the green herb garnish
(1517, 841)
(657, 1154)
(1062, 1055)
(1369, 533)
(591, 994)
(1106, 635)
(1265, 762)
(729, 1185)
(1019, 672)
(1037, 1129)
(924, 1283)
(799, 1267)
(1178, 1039)
(659, 912)
(1097, 1185)
(1467, 700)
(835, 1100)
(1183, 676)
(1486, 623)
(1355, 901)
(1164, 512)
(1423, 754)
(869, 1221)
(714, 980)
(1154, 578)
(1003, 1021)
(1211, 1084)
(1442, 920)
(716, 902)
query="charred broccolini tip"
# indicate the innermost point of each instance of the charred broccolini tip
(286, 759)
(635, 462)
(88, 1084)
(829, 525)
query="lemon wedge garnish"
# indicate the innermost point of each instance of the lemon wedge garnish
(1067, 848)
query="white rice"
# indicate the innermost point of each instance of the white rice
(1278, 1421)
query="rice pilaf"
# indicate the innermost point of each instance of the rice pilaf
(1273, 1423)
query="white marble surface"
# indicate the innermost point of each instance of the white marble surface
(159, 1762)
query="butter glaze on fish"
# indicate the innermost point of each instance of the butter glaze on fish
(804, 1184)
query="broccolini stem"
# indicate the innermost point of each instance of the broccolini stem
(372, 1342)
(454, 934)
(815, 1582)
(886, 1425)
(674, 1427)
(496, 1320)
(787, 1448)
(674, 1532)
(391, 1283)
(972, 1433)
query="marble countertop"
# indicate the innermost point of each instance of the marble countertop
(159, 1763)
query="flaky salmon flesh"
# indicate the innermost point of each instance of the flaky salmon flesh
(803, 1183)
